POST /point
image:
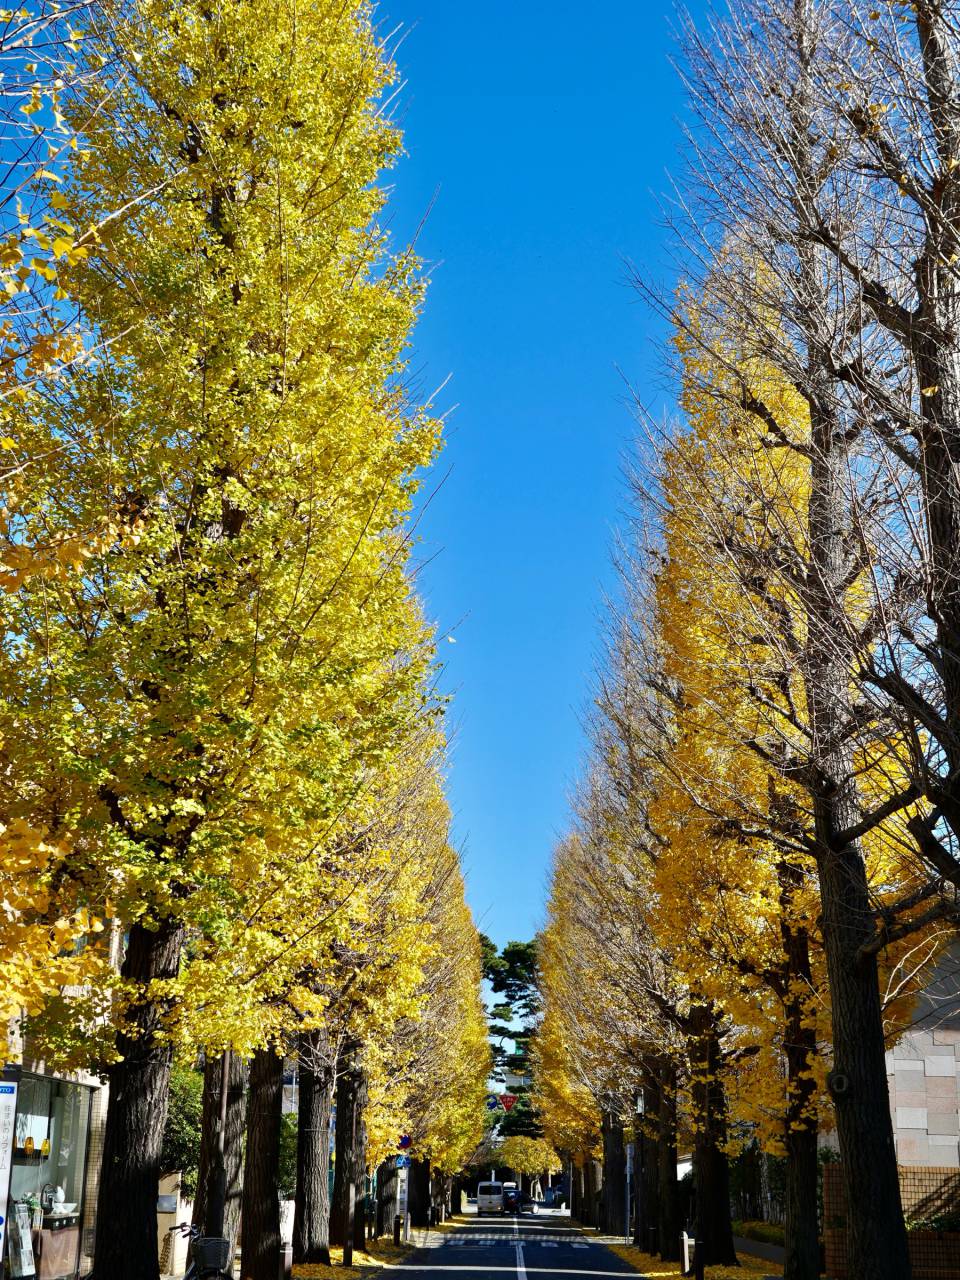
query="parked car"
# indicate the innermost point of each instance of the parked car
(511, 1199)
(528, 1204)
(489, 1198)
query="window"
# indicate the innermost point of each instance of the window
(47, 1183)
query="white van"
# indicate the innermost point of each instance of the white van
(489, 1198)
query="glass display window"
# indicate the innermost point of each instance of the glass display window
(45, 1208)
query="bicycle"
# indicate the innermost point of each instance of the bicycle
(209, 1255)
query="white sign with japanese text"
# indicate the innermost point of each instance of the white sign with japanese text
(8, 1115)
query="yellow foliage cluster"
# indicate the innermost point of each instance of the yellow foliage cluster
(217, 703)
(689, 882)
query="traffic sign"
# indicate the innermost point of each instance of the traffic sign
(493, 1102)
(403, 1162)
(507, 1100)
(404, 1142)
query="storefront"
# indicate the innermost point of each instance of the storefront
(46, 1209)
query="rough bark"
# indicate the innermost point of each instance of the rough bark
(878, 1238)
(668, 1199)
(711, 1167)
(418, 1193)
(802, 1260)
(260, 1240)
(136, 1114)
(232, 1147)
(577, 1192)
(613, 1201)
(591, 1190)
(350, 1164)
(311, 1216)
(934, 336)
(388, 1196)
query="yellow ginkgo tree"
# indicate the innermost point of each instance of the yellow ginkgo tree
(197, 706)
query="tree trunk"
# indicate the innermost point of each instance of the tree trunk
(878, 1241)
(750, 1177)
(136, 1114)
(668, 1198)
(232, 1147)
(800, 1048)
(613, 1202)
(577, 1192)
(311, 1217)
(260, 1240)
(418, 1193)
(388, 1196)
(591, 1193)
(711, 1168)
(878, 1238)
(646, 1164)
(350, 1166)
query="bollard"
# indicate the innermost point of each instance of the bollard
(684, 1253)
(698, 1252)
(406, 1229)
(397, 1223)
(348, 1235)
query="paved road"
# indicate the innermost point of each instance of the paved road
(540, 1247)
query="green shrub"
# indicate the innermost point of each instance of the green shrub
(946, 1220)
(765, 1232)
(181, 1136)
(288, 1156)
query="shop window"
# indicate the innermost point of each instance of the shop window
(45, 1209)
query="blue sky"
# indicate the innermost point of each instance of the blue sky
(539, 136)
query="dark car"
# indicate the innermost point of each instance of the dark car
(511, 1199)
(528, 1204)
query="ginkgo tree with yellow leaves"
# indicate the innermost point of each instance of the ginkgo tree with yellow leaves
(692, 869)
(190, 715)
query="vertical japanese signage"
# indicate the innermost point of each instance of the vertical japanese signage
(8, 1115)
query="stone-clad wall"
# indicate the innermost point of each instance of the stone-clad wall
(923, 1073)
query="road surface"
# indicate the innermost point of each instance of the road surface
(541, 1247)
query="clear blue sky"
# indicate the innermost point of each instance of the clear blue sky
(545, 131)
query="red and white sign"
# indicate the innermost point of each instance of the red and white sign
(507, 1100)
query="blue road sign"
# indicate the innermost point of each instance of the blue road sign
(403, 1162)
(493, 1102)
